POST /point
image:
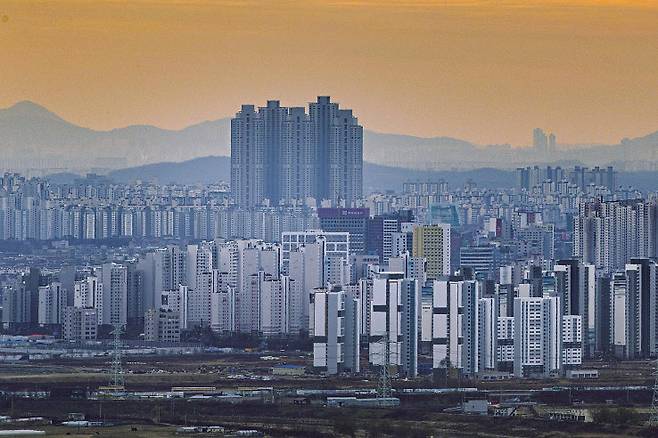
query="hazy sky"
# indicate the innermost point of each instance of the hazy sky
(485, 71)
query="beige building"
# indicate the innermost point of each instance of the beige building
(432, 242)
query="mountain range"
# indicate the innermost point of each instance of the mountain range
(376, 178)
(31, 136)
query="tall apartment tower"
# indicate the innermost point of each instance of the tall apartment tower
(322, 114)
(333, 323)
(575, 284)
(394, 315)
(455, 339)
(538, 340)
(297, 172)
(273, 118)
(52, 301)
(345, 182)
(539, 139)
(608, 234)
(641, 308)
(487, 331)
(114, 302)
(284, 155)
(86, 291)
(248, 157)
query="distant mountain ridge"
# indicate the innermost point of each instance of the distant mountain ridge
(31, 134)
(208, 170)
(376, 178)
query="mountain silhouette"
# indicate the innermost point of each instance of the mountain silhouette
(29, 132)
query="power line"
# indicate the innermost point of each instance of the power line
(117, 380)
(384, 389)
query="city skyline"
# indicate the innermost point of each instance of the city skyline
(331, 218)
(579, 69)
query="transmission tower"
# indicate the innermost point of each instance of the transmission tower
(653, 418)
(116, 380)
(384, 388)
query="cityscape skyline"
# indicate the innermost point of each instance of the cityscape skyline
(577, 54)
(329, 218)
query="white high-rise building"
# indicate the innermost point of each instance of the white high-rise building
(307, 272)
(487, 334)
(537, 340)
(114, 294)
(572, 341)
(52, 301)
(274, 296)
(609, 234)
(222, 313)
(455, 324)
(326, 328)
(618, 316)
(336, 244)
(198, 300)
(385, 319)
(255, 257)
(641, 324)
(575, 284)
(394, 317)
(297, 176)
(281, 154)
(177, 302)
(333, 323)
(163, 269)
(248, 157)
(505, 343)
(85, 291)
(199, 260)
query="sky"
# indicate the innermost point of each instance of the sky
(487, 71)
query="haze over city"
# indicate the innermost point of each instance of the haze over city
(486, 72)
(329, 219)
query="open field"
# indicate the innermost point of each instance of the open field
(418, 415)
(155, 419)
(249, 369)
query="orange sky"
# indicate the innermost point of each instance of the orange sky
(482, 70)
